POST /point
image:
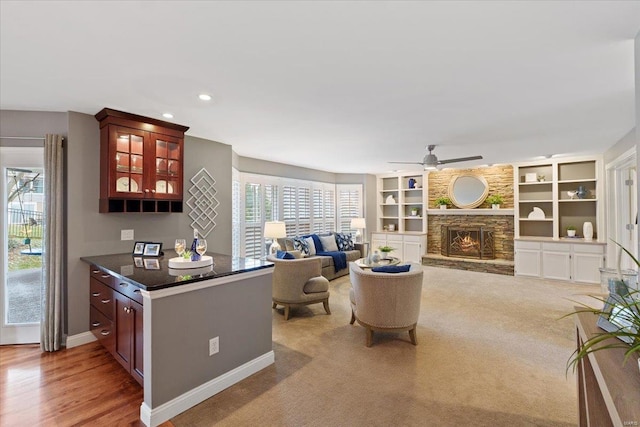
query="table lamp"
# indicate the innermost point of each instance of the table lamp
(358, 224)
(274, 230)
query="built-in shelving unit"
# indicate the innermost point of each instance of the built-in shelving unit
(552, 187)
(402, 203)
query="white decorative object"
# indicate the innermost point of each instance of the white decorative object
(571, 233)
(443, 206)
(536, 213)
(203, 202)
(587, 231)
(392, 227)
(274, 230)
(180, 263)
(495, 206)
(390, 199)
(572, 194)
(531, 177)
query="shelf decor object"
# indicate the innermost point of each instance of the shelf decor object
(587, 231)
(536, 213)
(180, 263)
(203, 202)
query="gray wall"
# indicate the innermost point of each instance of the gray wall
(30, 123)
(92, 233)
(637, 73)
(625, 144)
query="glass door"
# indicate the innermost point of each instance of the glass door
(21, 216)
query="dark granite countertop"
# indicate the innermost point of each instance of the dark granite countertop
(150, 275)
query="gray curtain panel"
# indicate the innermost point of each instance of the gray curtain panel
(51, 334)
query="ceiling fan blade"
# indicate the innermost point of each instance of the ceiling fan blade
(408, 163)
(459, 159)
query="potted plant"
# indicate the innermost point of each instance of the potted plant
(443, 202)
(495, 200)
(571, 231)
(622, 311)
(414, 211)
(385, 250)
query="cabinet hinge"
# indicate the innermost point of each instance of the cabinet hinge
(629, 227)
(628, 182)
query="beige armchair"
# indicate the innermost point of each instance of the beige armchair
(386, 301)
(298, 281)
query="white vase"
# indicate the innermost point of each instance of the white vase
(571, 233)
(587, 231)
(495, 206)
(443, 206)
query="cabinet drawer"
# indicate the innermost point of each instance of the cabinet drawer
(103, 277)
(520, 244)
(129, 290)
(413, 239)
(102, 328)
(589, 249)
(394, 238)
(556, 247)
(101, 297)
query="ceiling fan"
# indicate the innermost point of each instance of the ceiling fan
(431, 161)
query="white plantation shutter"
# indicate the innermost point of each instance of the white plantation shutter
(305, 207)
(236, 222)
(253, 220)
(349, 205)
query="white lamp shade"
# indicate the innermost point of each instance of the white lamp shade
(358, 223)
(275, 229)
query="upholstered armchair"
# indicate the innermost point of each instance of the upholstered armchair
(386, 301)
(298, 281)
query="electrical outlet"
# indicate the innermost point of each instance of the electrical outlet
(126, 234)
(214, 346)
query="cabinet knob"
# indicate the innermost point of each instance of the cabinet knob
(153, 191)
(95, 271)
(95, 294)
(137, 291)
(104, 332)
(123, 284)
(105, 276)
(146, 190)
(95, 324)
(106, 301)
(127, 309)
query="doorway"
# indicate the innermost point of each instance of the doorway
(21, 216)
(622, 212)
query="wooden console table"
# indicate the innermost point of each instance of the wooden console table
(608, 391)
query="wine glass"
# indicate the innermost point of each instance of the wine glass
(180, 246)
(201, 246)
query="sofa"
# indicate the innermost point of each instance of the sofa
(294, 246)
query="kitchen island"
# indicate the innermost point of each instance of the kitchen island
(182, 311)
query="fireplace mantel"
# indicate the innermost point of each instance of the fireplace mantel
(507, 212)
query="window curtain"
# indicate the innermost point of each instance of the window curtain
(51, 329)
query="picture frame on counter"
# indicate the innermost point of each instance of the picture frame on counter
(152, 249)
(137, 261)
(138, 248)
(151, 264)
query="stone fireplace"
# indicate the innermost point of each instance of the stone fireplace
(467, 242)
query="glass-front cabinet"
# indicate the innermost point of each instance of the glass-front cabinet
(141, 167)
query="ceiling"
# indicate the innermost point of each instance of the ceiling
(338, 86)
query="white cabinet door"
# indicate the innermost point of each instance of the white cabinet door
(586, 267)
(412, 252)
(527, 262)
(396, 241)
(556, 265)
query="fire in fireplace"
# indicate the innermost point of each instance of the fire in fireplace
(466, 242)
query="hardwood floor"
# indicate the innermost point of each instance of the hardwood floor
(79, 386)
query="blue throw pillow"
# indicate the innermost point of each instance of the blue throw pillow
(284, 255)
(301, 245)
(345, 242)
(391, 269)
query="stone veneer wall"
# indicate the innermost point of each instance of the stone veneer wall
(499, 178)
(502, 226)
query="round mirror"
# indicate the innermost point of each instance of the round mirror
(468, 191)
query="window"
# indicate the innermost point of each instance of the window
(349, 205)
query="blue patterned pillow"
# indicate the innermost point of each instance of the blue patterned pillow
(345, 242)
(300, 244)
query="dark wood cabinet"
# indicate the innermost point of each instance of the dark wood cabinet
(141, 163)
(116, 316)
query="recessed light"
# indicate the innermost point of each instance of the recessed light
(204, 97)
(167, 115)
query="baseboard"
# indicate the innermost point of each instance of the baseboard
(153, 417)
(80, 339)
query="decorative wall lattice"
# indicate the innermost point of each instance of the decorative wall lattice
(203, 202)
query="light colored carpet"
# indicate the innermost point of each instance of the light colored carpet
(491, 352)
